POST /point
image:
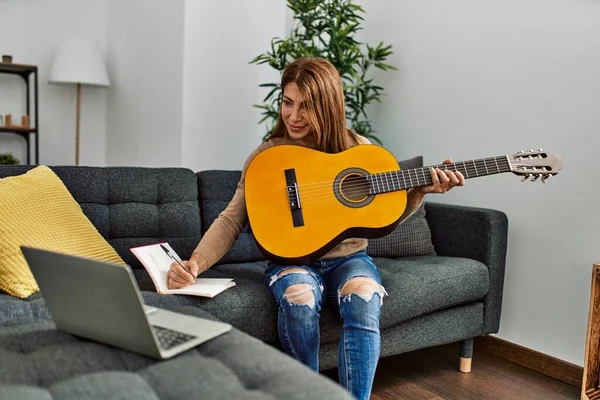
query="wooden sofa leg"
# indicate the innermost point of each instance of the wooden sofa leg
(466, 355)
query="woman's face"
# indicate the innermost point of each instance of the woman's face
(293, 113)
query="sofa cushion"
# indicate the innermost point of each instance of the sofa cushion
(38, 210)
(40, 362)
(134, 206)
(216, 189)
(412, 237)
(15, 311)
(415, 286)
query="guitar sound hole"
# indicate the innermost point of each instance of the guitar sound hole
(354, 188)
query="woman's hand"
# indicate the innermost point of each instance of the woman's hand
(443, 181)
(180, 277)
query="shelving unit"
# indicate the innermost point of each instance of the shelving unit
(26, 72)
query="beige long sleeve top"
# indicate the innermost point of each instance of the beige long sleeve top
(226, 228)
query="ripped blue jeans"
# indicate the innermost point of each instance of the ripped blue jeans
(299, 311)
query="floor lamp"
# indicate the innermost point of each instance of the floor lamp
(79, 62)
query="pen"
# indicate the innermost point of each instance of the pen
(170, 255)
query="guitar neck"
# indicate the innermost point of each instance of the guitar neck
(410, 178)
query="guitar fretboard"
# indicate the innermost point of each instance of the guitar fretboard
(405, 179)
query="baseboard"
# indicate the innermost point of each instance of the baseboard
(539, 362)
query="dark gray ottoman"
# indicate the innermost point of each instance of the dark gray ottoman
(38, 362)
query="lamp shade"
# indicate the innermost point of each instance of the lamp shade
(79, 61)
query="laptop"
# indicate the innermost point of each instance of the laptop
(101, 301)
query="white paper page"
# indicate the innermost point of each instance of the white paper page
(158, 263)
(205, 286)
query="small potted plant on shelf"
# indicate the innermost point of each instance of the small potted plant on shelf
(8, 159)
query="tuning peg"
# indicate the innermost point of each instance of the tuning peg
(545, 177)
(535, 178)
(525, 177)
(540, 150)
(520, 151)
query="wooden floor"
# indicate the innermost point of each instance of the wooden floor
(433, 374)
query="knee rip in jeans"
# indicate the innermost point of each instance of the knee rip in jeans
(297, 293)
(362, 287)
(300, 294)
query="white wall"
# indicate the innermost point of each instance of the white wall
(478, 79)
(31, 31)
(220, 86)
(145, 58)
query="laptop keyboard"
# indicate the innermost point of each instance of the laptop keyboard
(168, 338)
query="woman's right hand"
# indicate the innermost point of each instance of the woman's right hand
(180, 277)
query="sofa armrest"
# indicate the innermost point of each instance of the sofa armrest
(476, 233)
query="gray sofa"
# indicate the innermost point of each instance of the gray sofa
(448, 290)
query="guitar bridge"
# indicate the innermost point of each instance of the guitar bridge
(294, 197)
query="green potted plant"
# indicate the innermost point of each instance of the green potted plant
(8, 159)
(326, 28)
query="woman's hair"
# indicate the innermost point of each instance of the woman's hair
(320, 85)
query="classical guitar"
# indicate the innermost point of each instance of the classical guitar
(302, 202)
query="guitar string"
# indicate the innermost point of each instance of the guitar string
(390, 172)
(481, 164)
(386, 185)
(330, 197)
(381, 182)
(327, 193)
(470, 169)
(308, 197)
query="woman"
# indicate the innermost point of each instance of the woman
(313, 115)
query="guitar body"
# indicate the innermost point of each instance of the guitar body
(302, 202)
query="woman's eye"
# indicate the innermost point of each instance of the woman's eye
(287, 103)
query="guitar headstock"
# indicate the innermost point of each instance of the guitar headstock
(535, 164)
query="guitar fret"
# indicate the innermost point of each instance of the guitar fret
(496, 161)
(486, 168)
(424, 177)
(404, 179)
(475, 165)
(465, 167)
(374, 183)
(387, 181)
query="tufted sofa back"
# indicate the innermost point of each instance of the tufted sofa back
(134, 206)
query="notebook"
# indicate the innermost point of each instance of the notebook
(157, 262)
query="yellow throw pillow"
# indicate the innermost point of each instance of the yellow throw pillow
(37, 210)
